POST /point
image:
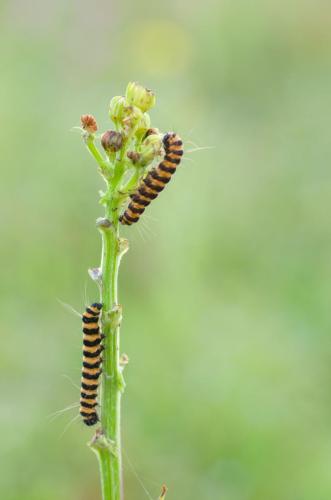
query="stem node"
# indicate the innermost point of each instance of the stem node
(101, 442)
(103, 224)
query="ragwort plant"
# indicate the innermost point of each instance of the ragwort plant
(131, 184)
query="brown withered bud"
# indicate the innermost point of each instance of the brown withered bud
(89, 123)
(133, 156)
(112, 141)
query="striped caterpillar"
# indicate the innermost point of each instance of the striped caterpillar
(91, 364)
(156, 180)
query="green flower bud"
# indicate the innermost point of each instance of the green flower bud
(139, 96)
(150, 149)
(112, 141)
(143, 126)
(116, 109)
(124, 115)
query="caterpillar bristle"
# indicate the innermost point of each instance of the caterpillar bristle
(156, 179)
(91, 364)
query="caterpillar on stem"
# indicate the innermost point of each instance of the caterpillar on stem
(156, 179)
(91, 364)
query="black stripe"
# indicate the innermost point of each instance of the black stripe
(90, 330)
(88, 396)
(178, 152)
(88, 405)
(179, 142)
(176, 161)
(91, 421)
(137, 199)
(123, 220)
(93, 354)
(89, 311)
(147, 194)
(136, 210)
(86, 414)
(89, 320)
(92, 365)
(149, 183)
(166, 138)
(88, 387)
(97, 305)
(92, 343)
(129, 218)
(163, 167)
(91, 376)
(160, 178)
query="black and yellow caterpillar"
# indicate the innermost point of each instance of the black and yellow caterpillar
(156, 179)
(91, 370)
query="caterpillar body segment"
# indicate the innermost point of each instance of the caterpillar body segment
(156, 179)
(91, 370)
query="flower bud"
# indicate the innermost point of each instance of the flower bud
(116, 109)
(152, 131)
(124, 115)
(112, 141)
(133, 156)
(89, 123)
(143, 125)
(150, 149)
(139, 96)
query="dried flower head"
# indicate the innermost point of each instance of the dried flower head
(89, 123)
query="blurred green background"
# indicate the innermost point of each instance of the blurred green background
(226, 288)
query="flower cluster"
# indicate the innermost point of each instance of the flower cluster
(132, 145)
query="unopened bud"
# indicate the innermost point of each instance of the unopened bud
(152, 131)
(139, 96)
(116, 108)
(123, 114)
(133, 156)
(143, 125)
(150, 149)
(89, 123)
(112, 141)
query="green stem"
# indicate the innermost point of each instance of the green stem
(105, 166)
(130, 116)
(107, 442)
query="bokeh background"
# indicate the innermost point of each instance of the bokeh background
(226, 288)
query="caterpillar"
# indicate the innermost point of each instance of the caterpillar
(91, 364)
(156, 179)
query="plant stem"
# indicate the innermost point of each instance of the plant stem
(107, 443)
(129, 115)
